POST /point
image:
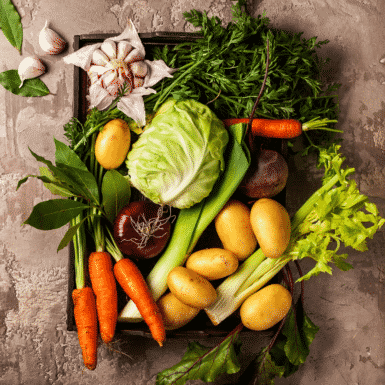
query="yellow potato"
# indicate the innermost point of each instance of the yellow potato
(234, 229)
(191, 288)
(265, 308)
(214, 263)
(112, 144)
(271, 225)
(175, 313)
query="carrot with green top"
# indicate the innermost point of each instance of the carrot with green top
(281, 128)
(104, 286)
(86, 323)
(277, 128)
(135, 286)
(131, 279)
(84, 303)
(100, 266)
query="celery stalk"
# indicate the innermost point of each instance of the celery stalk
(232, 293)
(324, 217)
(192, 222)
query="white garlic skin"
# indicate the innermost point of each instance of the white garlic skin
(29, 68)
(50, 42)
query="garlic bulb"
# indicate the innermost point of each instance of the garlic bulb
(30, 67)
(115, 65)
(50, 42)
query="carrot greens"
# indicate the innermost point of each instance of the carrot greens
(225, 67)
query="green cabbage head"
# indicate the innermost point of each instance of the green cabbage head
(179, 155)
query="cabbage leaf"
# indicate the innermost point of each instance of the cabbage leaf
(180, 154)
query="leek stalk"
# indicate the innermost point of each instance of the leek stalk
(192, 222)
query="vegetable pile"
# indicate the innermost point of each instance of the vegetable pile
(132, 194)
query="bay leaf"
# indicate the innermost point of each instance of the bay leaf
(10, 23)
(10, 80)
(64, 155)
(116, 193)
(54, 213)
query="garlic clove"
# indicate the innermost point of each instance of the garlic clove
(139, 69)
(99, 70)
(138, 82)
(133, 56)
(108, 77)
(124, 47)
(109, 48)
(93, 76)
(99, 58)
(125, 75)
(115, 86)
(50, 42)
(29, 68)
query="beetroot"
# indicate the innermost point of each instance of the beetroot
(267, 178)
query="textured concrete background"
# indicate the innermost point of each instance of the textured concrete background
(349, 307)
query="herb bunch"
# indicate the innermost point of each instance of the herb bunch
(225, 68)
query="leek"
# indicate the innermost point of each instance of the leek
(192, 222)
(333, 215)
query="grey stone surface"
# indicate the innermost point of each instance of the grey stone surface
(349, 307)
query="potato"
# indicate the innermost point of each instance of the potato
(175, 313)
(112, 144)
(234, 229)
(214, 263)
(265, 308)
(271, 225)
(191, 288)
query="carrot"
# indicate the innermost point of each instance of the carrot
(131, 279)
(86, 323)
(104, 287)
(281, 128)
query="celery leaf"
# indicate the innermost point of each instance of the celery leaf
(336, 215)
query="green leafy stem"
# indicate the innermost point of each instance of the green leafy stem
(70, 178)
